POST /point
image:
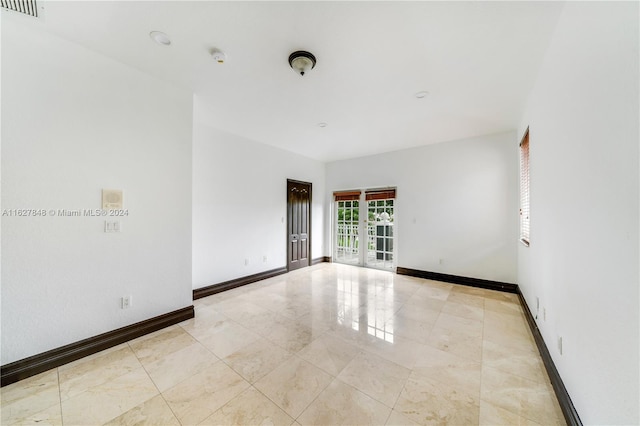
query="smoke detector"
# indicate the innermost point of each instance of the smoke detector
(219, 56)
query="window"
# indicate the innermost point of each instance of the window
(524, 189)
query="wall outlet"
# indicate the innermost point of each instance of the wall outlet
(440, 261)
(264, 259)
(560, 344)
(111, 226)
(246, 262)
(125, 302)
(544, 314)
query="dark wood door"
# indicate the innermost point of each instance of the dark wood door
(298, 224)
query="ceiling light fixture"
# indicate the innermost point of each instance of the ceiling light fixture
(160, 38)
(421, 95)
(302, 61)
(322, 124)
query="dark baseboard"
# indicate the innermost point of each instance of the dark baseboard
(568, 409)
(45, 361)
(455, 279)
(238, 282)
(321, 260)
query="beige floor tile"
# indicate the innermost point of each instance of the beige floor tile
(450, 369)
(464, 311)
(504, 307)
(153, 347)
(415, 330)
(378, 315)
(354, 331)
(180, 365)
(501, 296)
(317, 322)
(375, 376)
(229, 339)
(419, 313)
(398, 419)
(52, 416)
(154, 411)
(426, 401)
(467, 299)
(475, 291)
(91, 357)
(472, 328)
(196, 398)
(505, 322)
(508, 332)
(25, 398)
(256, 318)
(397, 349)
(434, 290)
(526, 364)
(520, 396)
(290, 335)
(107, 401)
(257, 359)
(77, 377)
(491, 415)
(294, 385)
(330, 353)
(455, 341)
(423, 301)
(295, 308)
(341, 404)
(250, 407)
(329, 344)
(206, 323)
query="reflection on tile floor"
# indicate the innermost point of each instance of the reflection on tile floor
(326, 345)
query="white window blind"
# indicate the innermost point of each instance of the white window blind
(524, 189)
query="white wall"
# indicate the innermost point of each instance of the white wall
(583, 258)
(75, 122)
(240, 205)
(456, 201)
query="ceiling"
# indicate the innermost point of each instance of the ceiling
(477, 60)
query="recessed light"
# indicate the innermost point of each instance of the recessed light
(322, 124)
(160, 38)
(422, 94)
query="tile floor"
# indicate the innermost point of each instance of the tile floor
(331, 344)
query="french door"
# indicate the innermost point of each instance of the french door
(364, 231)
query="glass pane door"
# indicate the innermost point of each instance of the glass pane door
(380, 234)
(347, 238)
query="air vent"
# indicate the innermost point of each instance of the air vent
(28, 7)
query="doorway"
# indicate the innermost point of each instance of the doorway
(364, 231)
(298, 224)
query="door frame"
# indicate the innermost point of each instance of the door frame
(310, 184)
(334, 232)
(363, 232)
